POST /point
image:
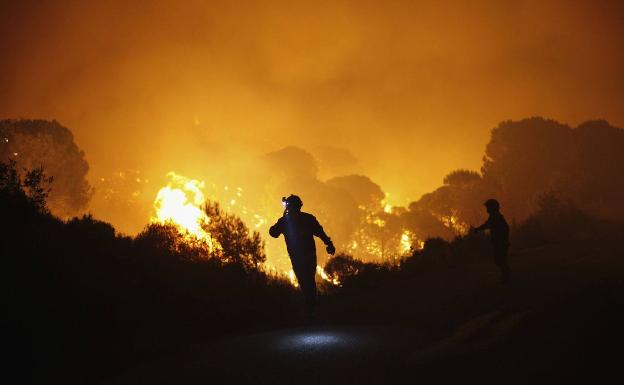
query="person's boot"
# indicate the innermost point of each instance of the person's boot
(312, 310)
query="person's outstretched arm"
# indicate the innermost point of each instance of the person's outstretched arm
(318, 231)
(276, 229)
(486, 225)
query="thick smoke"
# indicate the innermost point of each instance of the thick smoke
(411, 88)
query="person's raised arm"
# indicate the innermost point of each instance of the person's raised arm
(276, 229)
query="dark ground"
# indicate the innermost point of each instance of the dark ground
(560, 322)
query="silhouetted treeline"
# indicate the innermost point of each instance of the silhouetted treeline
(581, 167)
(524, 161)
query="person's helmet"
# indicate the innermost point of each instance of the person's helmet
(292, 202)
(492, 203)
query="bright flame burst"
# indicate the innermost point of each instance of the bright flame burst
(326, 277)
(406, 242)
(180, 203)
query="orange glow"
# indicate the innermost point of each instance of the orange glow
(411, 100)
(402, 93)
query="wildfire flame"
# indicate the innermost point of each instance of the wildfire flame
(453, 222)
(320, 271)
(405, 243)
(292, 278)
(180, 203)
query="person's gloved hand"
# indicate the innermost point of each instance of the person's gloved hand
(331, 249)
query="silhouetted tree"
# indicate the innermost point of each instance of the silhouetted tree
(425, 223)
(525, 158)
(41, 143)
(378, 237)
(366, 193)
(292, 162)
(31, 188)
(456, 204)
(554, 221)
(461, 178)
(335, 161)
(593, 181)
(237, 243)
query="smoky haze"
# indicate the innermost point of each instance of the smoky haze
(405, 91)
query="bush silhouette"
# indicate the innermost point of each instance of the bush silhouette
(343, 266)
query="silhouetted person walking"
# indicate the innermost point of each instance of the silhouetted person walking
(299, 229)
(499, 234)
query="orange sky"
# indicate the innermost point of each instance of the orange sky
(410, 88)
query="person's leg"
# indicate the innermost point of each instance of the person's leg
(313, 299)
(310, 278)
(500, 258)
(305, 273)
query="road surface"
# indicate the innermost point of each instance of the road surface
(305, 355)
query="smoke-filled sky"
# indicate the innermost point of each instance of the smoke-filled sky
(411, 88)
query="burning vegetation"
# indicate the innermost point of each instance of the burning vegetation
(204, 226)
(184, 204)
(355, 211)
(380, 236)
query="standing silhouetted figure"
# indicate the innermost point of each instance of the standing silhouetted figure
(299, 229)
(499, 234)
